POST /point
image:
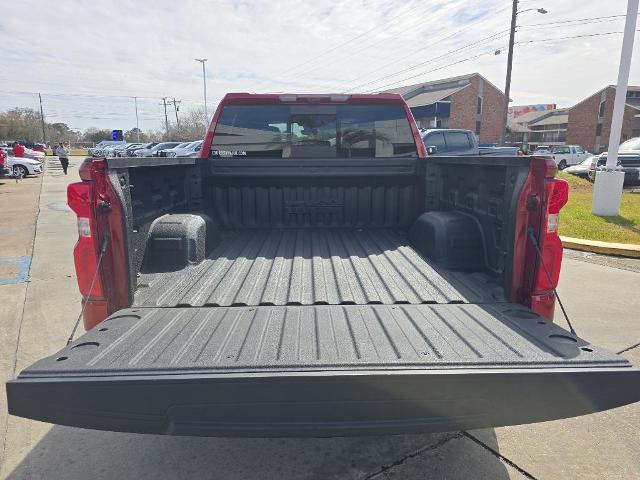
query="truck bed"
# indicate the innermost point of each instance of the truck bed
(308, 266)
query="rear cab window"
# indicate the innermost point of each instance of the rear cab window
(313, 131)
(458, 141)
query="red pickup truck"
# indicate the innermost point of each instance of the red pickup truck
(315, 273)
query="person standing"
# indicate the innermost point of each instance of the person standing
(18, 150)
(63, 155)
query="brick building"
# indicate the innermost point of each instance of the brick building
(469, 101)
(589, 121)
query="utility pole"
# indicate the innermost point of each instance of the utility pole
(44, 135)
(135, 99)
(607, 190)
(507, 86)
(166, 119)
(204, 83)
(176, 108)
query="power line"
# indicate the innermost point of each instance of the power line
(568, 38)
(492, 51)
(333, 49)
(417, 20)
(494, 36)
(431, 44)
(586, 20)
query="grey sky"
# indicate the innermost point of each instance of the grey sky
(82, 55)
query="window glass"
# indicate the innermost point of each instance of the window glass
(313, 131)
(435, 139)
(479, 106)
(598, 130)
(478, 125)
(561, 150)
(579, 150)
(601, 110)
(457, 141)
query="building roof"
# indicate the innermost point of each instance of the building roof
(432, 96)
(433, 85)
(632, 88)
(529, 117)
(556, 119)
(446, 85)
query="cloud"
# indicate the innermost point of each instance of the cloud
(146, 49)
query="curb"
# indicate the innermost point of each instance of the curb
(606, 248)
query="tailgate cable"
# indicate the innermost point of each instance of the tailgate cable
(103, 248)
(534, 240)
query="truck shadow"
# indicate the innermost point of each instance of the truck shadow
(72, 453)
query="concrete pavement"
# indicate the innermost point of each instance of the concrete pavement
(37, 317)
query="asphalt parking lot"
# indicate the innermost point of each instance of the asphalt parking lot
(37, 234)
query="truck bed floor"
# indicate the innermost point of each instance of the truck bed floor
(312, 267)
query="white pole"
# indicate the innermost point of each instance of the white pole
(607, 191)
(135, 99)
(623, 80)
(204, 82)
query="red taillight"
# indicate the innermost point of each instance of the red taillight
(557, 194)
(85, 169)
(84, 253)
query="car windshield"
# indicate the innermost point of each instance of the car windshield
(631, 144)
(161, 146)
(313, 131)
(587, 161)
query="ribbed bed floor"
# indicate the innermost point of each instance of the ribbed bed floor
(310, 267)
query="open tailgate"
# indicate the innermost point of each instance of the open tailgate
(321, 371)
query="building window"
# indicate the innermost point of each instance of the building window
(601, 109)
(478, 123)
(479, 107)
(599, 130)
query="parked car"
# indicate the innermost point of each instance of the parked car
(22, 166)
(130, 151)
(460, 142)
(565, 155)
(628, 160)
(185, 150)
(97, 151)
(324, 282)
(144, 148)
(34, 154)
(583, 168)
(162, 152)
(4, 168)
(152, 152)
(167, 152)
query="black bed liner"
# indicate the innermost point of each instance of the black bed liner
(313, 266)
(321, 370)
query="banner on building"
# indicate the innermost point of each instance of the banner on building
(518, 110)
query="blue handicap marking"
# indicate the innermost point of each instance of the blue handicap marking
(21, 276)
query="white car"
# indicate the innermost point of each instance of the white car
(98, 149)
(34, 154)
(23, 166)
(186, 151)
(565, 155)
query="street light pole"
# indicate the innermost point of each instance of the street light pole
(135, 99)
(507, 86)
(204, 84)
